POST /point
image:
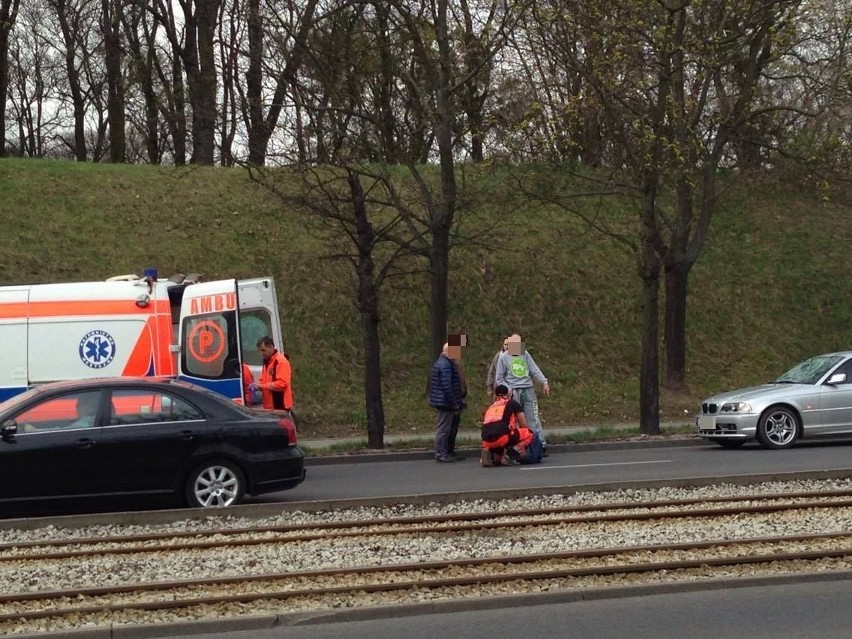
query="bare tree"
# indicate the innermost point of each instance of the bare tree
(192, 37)
(35, 72)
(8, 15)
(672, 83)
(75, 18)
(293, 29)
(140, 33)
(229, 38)
(477, 21)
(362, 205)
(429, 28)
(111, 18)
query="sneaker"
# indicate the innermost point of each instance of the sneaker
(446, 459)
(485, 458)
(544, 450)
(508, 461)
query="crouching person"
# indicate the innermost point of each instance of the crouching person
(506, 439)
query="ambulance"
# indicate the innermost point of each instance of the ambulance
(131, 325)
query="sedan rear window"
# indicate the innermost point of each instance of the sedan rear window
(143, 406)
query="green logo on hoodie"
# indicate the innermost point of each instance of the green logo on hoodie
(519, 367)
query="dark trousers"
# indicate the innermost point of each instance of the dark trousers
(454, 430)
(443, 431)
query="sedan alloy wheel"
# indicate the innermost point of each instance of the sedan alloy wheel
(778, 428)
(215, 485)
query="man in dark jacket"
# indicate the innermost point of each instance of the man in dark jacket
(445, 396)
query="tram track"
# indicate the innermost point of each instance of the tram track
(322, 587)
(476, 551)
(229, 537)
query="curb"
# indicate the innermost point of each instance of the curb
(261, 510)
(364, 457)
(441, 606)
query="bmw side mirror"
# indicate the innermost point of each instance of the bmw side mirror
(837, 378)
(9, 428)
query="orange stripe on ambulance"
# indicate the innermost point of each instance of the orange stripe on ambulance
(135, 326)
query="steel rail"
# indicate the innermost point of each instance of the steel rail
(81, 595)
(433, 524)
(664, 503)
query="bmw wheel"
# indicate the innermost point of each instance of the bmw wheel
(778, 427)
(215, 484)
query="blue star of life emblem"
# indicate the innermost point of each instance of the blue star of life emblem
(97, 349)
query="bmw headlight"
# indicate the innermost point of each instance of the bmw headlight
(736, 407)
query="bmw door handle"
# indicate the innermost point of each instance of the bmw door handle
(84, 443)
(186, 435)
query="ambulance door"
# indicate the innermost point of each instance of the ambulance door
(13, 337)
(210, 338)
(258, 318)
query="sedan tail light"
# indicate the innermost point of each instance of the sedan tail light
(290, 428)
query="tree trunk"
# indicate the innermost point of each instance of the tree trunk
(442, 222)
(257, 135)
(649, 383)
(477, 135)
(178, 111)
(111, 19)
(649, 271)
(142, 63)
(438, 291)
(368, 307)
(677, 278)
(205, 83)
(387, 118)
(368, 303)
(69, 35)
(152, 127)
(8, 14)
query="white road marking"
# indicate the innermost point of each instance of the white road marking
(549, 467)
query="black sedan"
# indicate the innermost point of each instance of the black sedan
(146, 437)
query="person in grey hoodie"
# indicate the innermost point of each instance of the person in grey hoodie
(516, 369)
(492, 370)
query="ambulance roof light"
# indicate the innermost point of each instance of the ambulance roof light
(150, 274)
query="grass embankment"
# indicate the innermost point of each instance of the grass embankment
(772, 286)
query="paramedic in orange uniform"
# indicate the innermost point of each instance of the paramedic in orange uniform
(505, 435)
(274, 382)
(248, 386)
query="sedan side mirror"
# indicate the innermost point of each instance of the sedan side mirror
(837, 378)
(9, 428)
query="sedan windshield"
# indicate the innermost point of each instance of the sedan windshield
(810, 371)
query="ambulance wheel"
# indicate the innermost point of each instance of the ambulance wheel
(215, 484)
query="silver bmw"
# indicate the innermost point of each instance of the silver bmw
(812, 399)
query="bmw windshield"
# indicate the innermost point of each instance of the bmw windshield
(810, 371)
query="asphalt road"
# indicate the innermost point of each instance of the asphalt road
(415, 477)
(792, 611)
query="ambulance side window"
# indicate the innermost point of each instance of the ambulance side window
(254, 324)
(209, 346)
